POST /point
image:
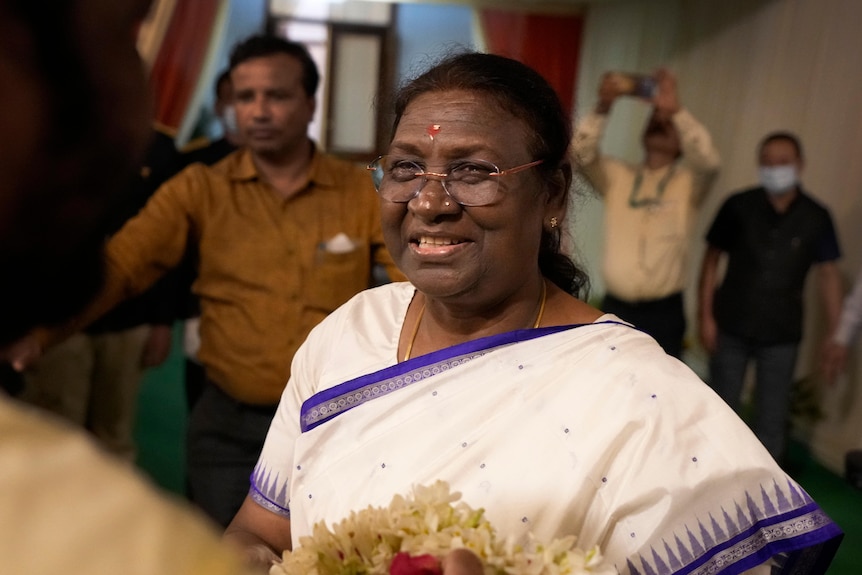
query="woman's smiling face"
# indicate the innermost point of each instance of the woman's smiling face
(448, 250)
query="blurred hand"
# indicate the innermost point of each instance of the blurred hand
(22, 353)
(259, 558)
(462, 562)
(666, 100)
(833, 360)
(158, 346)
(708, 333)
(610, 88)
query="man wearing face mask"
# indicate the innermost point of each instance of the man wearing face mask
(771, 236)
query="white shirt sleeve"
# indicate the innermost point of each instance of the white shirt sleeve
(588, 134)
(851, 314)
(585, 149)
(698, 152)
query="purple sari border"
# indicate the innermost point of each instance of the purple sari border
(792, 548)
(329, 403)
(265, 502)
(765, 539)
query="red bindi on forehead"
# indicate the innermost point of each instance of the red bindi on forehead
(433, 130)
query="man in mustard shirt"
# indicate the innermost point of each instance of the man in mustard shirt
(284, 233)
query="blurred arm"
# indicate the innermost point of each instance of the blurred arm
(836, 347)
(260, 535)
(143, 250)
(851, 315)
(698, 152)
(831, 292)
(706, 294)
(585, 148)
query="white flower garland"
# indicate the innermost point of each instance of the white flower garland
(431, 522)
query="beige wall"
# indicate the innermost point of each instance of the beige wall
(747, 67)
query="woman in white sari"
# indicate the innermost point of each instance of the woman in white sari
(487, 372)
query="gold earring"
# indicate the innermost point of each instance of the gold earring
(554, 222)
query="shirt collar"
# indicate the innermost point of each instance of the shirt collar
(321, 172)
(244, 168)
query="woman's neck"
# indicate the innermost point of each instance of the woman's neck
(431, 325)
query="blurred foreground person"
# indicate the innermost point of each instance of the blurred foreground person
(93, 378)
(75, 118)
(284, 234)
(487, 371)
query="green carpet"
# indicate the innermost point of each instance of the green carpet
(161, 421)
(161, 452)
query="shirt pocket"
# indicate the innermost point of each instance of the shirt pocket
(336, 277)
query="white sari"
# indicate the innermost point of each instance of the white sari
(588, 430)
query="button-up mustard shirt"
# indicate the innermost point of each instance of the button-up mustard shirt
(270, 268)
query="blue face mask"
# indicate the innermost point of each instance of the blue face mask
(778, 179)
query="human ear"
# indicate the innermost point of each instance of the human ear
(558, 185)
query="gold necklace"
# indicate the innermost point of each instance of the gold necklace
(542, 305)
(415, 331)
(422, 312)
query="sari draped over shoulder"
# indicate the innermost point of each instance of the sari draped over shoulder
(588, 430)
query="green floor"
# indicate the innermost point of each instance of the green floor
(161, 423)
(162, 418)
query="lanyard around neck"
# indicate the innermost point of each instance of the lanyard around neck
(636, 202)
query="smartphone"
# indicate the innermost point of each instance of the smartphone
(637, 85)
(645, 87)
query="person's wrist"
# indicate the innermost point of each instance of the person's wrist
(261, 557)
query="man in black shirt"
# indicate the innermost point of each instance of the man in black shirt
(771, 235)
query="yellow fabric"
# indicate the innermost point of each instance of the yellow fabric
(265, 276)
(67, 508)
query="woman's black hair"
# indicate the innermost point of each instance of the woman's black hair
(524, 93)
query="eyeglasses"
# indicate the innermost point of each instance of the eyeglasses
(468, 182)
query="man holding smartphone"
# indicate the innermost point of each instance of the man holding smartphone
(651, 206)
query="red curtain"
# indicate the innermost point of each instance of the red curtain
(549, 43)
(181, 56)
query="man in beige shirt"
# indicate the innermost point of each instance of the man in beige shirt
(650, 207)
